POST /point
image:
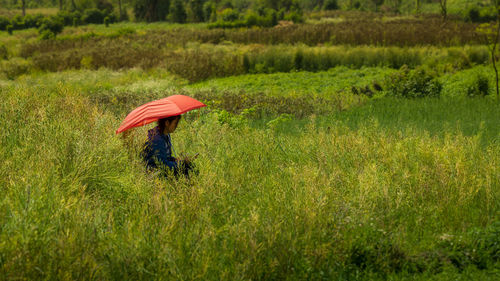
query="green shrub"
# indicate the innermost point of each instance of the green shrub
(4, 22)
(70, 18)
(417, 83)
(9, 29)
(177, 12)
(14, 67)
(477, 55)
(105, 6)
(210, 11)
(476, 14)
(330, 5)
(18, 22)
(479, 86)
(294, 16)
(151, 10)
(50, 27)
(93, 16)
(31, 21)
(251, 18)
(229, 15)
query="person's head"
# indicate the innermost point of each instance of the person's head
(169, 124)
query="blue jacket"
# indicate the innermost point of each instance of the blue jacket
(158, 150)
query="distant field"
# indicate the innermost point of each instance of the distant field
(14, 12)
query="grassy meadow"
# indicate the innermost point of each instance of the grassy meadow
(319, 160)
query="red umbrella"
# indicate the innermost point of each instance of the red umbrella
(158, 109)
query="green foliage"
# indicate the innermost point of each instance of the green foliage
(294, 16)
(105, 6)
(228, 15)
(480, 15)
(195, 11)
(177, 12)
(417, 83)
(330, 5)
(50, 27)
(18, 22)
(229, 18)
(9, 28)
(282, 120)
(93, 16)
(4, 22)
(479, 86)
(31, 21)
(70, 18)
(209, 11)
(14, 67)
(151, 10)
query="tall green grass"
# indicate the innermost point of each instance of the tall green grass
(321, 201)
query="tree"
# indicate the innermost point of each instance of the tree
(209, 11)
(196, 10)
(444, 9)
(330, 5)
(492, 32)
(151, 10)
(23, 3)
(377, 3)
(177, 12)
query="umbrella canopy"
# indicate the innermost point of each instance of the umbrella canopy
(158, 109)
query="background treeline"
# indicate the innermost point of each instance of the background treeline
(240, 13)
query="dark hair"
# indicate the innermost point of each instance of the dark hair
(161, 122)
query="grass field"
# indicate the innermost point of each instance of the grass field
(303, 175)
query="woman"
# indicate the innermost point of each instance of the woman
(158, 148)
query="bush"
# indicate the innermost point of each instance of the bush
(4, 22)
(330, 5)
(70, 18)
(93, 16)
(294, 16)
(229, 15)
(209, 11)
(251, 18)
(46, 34)
(104, 6)
(475, 14)
(14, 67)
(31, 21)
(18, 22)
(177, 12)
(50, 27)
(479, 86)
(151, 10)
(417, 83)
